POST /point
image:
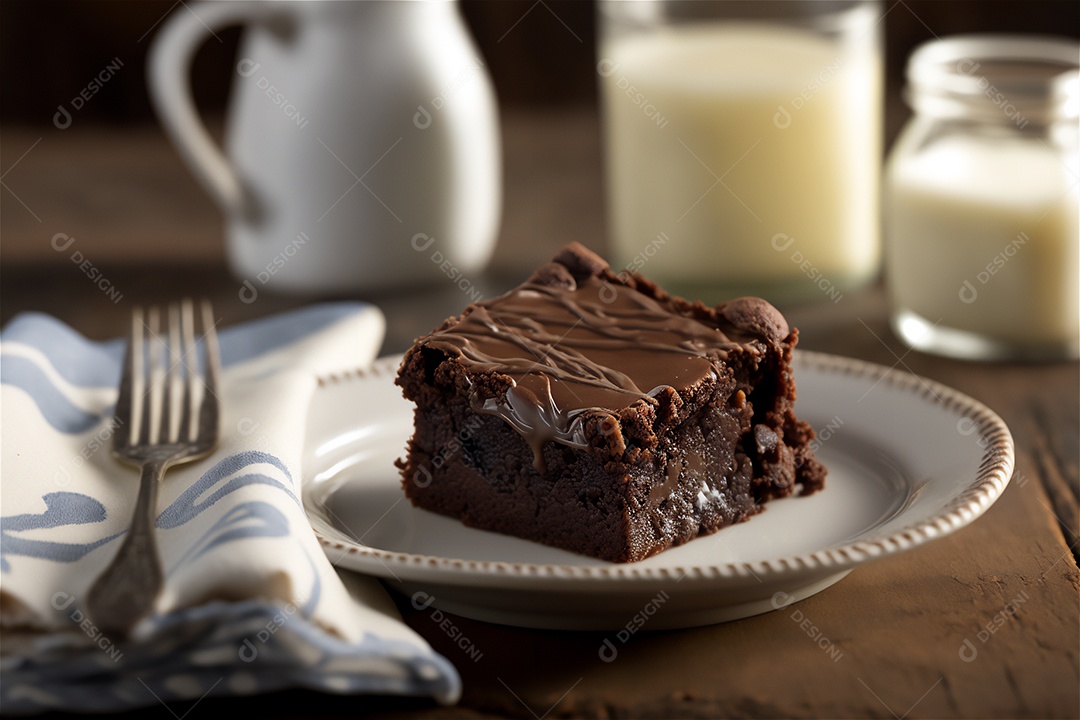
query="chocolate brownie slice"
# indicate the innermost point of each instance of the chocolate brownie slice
(592, 411)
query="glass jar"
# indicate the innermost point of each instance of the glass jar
(743, 144)
(981, 200)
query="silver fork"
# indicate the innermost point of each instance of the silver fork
(150, 387)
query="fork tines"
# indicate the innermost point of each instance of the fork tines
(162, 399)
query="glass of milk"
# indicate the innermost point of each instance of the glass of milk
(743, 144)
(981, 196)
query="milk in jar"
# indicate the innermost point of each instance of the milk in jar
(981, 198)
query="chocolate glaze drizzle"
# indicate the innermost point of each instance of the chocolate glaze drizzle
(570, 349)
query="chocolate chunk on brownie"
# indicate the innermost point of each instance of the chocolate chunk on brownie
(592, 411)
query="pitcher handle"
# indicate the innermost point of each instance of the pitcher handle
(169, 66)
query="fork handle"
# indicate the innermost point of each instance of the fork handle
(126, 591)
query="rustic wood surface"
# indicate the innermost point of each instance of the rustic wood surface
(900, 623)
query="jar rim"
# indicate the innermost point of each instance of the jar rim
(929, 64)
(946, 72)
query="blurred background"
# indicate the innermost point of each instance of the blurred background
(540, 55)
(112, 178)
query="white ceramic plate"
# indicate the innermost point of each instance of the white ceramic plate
(909, 460)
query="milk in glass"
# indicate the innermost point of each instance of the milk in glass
(743, 156)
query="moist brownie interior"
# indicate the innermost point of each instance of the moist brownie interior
(591, 411)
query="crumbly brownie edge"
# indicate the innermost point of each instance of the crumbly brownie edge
(477, 469)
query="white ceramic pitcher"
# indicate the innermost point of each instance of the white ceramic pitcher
(362, 144)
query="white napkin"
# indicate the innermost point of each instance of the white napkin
(251, 604)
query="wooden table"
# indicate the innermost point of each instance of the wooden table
(899, 623)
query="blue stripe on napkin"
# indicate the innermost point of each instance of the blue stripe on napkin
(55, 407)
(85, 363)
(88, 364)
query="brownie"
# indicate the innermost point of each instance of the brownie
(592, 411)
